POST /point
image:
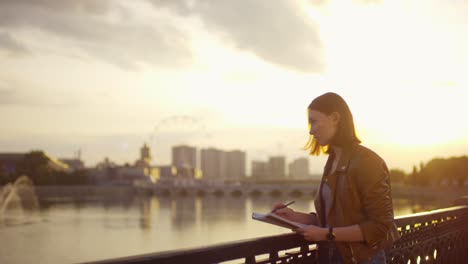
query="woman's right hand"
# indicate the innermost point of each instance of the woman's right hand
(284, 212)
(290, 214)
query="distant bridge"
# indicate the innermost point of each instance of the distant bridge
(234, 189)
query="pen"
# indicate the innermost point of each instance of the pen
(284, 206)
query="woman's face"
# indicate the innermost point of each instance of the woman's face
(322, 126)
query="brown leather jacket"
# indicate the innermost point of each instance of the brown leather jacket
(360, 193)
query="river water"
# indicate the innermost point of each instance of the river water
(65, 231)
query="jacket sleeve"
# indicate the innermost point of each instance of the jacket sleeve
(373, 184)
(314, 218)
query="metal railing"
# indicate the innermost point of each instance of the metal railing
(439, 236)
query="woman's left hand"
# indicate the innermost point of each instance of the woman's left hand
(312, 232)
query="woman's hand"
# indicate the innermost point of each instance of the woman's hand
(292, 215)
(284, 212)
(312, 232)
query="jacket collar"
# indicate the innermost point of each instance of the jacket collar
(346, 154)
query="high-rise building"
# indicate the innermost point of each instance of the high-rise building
(277, 167)
(259, 169)
(235, 164)
(299, 168)
(213, 163)
(184, 156)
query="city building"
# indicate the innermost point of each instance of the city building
(213, 164)
(259, 169)
(184, 156)
(167, 173)
(277, 167)
(142, 172)
(131, 175)
(235, 164)
(299, 168)
(145, 157)
(217, 164)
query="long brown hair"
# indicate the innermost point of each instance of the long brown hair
(345, 134)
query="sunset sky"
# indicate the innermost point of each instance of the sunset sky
(107, 76)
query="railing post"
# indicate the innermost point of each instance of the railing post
(250, 260)
(273, 256)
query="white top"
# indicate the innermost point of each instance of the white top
(326, 192)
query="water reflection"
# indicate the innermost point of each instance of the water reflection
(188, 212)
(182, 212)
(405, 206)
(227, 209)
(148, 207)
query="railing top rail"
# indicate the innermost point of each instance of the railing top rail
(433, 212)
(430, 215)
(231, 250)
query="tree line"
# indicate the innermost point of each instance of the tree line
(36, 166)
(437, 172)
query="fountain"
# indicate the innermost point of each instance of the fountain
(18, 202)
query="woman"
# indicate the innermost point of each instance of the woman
(354, 219)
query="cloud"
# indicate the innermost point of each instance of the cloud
(84, 6)
(279, 32)
(11, 45)
(12, 97)
(123, 40)
(18, 93)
